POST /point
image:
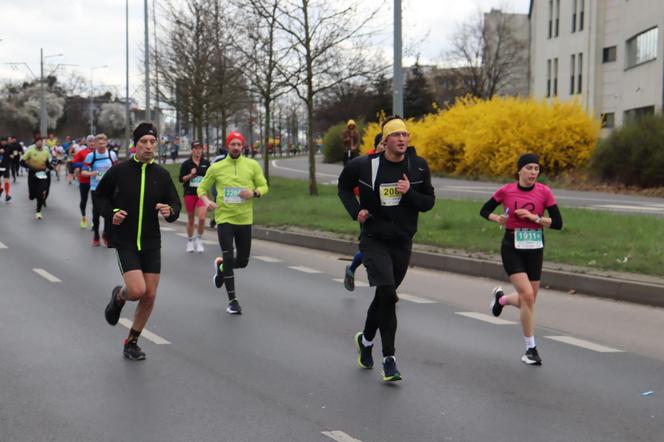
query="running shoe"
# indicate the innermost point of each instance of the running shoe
(190, 246)
(132, 351)
(198, 245)
(390, 370)
(95, 242)
(531, 357)
(38, 215)
(114, 306)
(234, 307)
(364, 359)
(8, 198)
(496, 307)
(84, 223)
(349, 279)
(104, 239)
(218, 277)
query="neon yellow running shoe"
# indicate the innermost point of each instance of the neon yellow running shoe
(84, 223)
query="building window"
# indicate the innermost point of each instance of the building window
(557, 17)
(572, 74)
(550, 18)
(580, 69)
(642, 48)
(548, 78)
(574, 6)
(609, 54)
(608, 120)
(581, 10)
(638, 112)
(555, 77)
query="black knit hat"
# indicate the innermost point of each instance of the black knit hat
(527, 158)
(142, 130)
(378, 139)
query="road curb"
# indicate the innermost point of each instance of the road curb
(583, 284)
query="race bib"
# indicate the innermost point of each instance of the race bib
(41, 175)
(232, 195)
(196, 181)
(528, 239)
(389, 195)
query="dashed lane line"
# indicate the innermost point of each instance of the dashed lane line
(267, 258)
(304, 269)
(584, 344)
(47, 276)
(339, 436)
(3, 246)
(415, 299)
(147, 334)
(485, 318)
(167, 229)
(357, 283)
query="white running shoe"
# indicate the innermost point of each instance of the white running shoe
(190, 246)
(198, 243)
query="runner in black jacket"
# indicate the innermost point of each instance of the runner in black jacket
(395, 186)
(133, 193)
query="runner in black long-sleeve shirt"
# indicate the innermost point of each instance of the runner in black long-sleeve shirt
(133, 193)
(395, 186)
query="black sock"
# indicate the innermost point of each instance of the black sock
(133, 335)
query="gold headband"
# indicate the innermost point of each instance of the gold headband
(393, 126)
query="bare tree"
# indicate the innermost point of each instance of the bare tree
(328, 45)
(265, 55)
(489, 54)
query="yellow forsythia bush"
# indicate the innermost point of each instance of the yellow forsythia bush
(486, 137)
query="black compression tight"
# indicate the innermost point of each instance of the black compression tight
(382, 315)
(84, 189)
(233, 237)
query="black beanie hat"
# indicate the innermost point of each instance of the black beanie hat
(527, 159)
(378, 139)
(144, 129)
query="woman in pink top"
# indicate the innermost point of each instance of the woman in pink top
(522, 250)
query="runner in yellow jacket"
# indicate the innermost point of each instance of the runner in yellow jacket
(238, 180)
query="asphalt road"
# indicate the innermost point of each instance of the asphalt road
(298, 167)
(286, 369)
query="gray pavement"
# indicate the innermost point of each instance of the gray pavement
(286, 369)
(481, 191)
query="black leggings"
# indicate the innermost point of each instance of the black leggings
(83, 189)
(38, 189)
(230, 234)
(382, 315)
(15, 165)
(96, 213)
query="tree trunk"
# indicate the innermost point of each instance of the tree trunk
(266, 134)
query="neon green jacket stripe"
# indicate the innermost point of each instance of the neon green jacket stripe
(140, 207)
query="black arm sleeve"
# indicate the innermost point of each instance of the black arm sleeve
(488, 208)
(182, 172)
(422, 201)
(348, 180)
(172, 199)
(104, 192)
(556, 217)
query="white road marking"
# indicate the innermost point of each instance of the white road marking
(584, 344)
(2, 246)
(44, 274)
(304, 269)
(357, 283)
(167, 229)
(485, 318)
(339, 436)
(268, 259)
(274, 164)
(147, 334)
(415, 299)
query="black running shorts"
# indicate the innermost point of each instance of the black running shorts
(4, 171)
(386, 261)
(148, 261)
(521, 261)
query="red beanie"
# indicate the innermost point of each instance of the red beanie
(234, 135)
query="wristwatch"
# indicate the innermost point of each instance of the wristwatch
(538, 219)
(256, 194)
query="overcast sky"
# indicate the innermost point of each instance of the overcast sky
(92, 33)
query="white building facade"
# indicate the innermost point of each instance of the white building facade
(607, 54)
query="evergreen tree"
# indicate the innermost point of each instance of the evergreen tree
(418, 100)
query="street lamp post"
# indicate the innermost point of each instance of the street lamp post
(43, 117)
(92, 127)
(397, 77)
